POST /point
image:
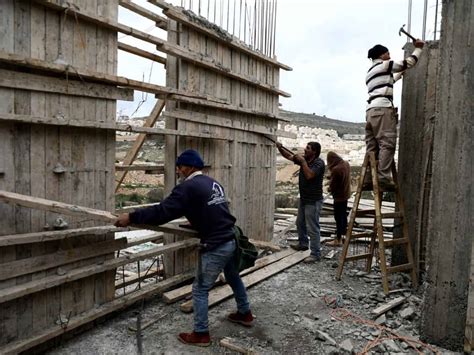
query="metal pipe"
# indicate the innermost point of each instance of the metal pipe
(274, 27)
(425, 11)
(410, 6)
(436, 21)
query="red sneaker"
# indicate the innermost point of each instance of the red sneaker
(244, 319)
(198, 339)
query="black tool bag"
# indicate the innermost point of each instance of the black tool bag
(246, 252)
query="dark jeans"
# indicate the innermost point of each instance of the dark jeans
(307, 224)
(340, 215)
(213, 262)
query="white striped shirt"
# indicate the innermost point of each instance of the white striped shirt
(380, 79)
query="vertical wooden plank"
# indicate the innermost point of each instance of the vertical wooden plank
(171, 142)
(37, 158)
(22, 135)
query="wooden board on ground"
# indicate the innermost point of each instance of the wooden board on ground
(388, 306)
(219, 294)
(229, 343)
(182, 292)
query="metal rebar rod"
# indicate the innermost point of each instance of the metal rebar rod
(221, 13)
(139, 334)
(262, 25)
(436, 21)
(228, 7)
(425, 11)
(410, 6)
(245, 22)
(274, 27)
(233, 20)
(240, 19)
(255, 26)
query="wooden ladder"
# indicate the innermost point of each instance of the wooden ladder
(370, 167)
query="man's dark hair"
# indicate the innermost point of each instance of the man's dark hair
(316, 148)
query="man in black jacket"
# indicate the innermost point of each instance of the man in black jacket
(202, 201)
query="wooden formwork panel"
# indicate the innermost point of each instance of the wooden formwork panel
(245, 163)
(30, 153)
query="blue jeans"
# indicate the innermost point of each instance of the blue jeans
(212, 263)
(307, 224)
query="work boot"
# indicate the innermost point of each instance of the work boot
(245, 319)
(198, 339)
(386, 184)
(335, 243)
(311, 259)
(298, 247)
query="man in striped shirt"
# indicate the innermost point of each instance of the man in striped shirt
(381, 116)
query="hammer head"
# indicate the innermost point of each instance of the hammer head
(401, 30)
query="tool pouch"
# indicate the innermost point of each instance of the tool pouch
(246, 252)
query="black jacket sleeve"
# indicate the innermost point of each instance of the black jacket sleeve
(172, 207)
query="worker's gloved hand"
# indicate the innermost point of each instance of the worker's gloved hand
(419, 43)
(123, 220)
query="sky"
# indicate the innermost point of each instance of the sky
(324, 41)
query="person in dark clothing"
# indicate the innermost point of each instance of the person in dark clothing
(340, 189)
(202, 201)
(311, 198)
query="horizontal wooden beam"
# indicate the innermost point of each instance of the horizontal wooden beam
(33, 82)
(33, 286)
(133, 208)
(156, 237)
(222, 106)
(100, 311)
(141, 167)
(186, 18)
(60, 121)
(160, 21)
(46, 236)
(136, 278)
(225, 122)
(164, 46)
(86, 74)
(62, 257)
(55, 206)
(141, 53)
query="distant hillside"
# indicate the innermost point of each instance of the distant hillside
(306, 119)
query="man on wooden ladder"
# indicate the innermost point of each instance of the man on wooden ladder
(381, 115)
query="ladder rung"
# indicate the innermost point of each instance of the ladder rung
(396, 241)
(361, 213)
(392, 215)
(398, 268)
(361, 235)
(358, 257)
(371, 213)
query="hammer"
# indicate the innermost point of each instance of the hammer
(402, 30)
(274, 141)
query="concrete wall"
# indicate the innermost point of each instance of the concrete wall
(469, 337)
(415, 148)
(450, 226)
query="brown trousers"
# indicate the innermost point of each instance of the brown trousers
(381, 137)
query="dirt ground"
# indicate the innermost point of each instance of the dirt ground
(302, 310)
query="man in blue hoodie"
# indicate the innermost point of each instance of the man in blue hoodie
(202, 201)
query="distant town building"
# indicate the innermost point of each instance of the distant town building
(353, 137)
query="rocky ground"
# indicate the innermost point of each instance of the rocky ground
(302, 310)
